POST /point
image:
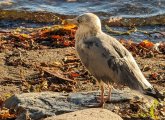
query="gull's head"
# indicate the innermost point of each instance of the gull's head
(87, 21)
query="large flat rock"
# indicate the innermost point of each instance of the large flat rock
(87, 114)
(41, 105)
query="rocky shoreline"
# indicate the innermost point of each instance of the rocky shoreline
(43, 62)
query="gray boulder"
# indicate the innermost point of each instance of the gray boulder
(44, 104)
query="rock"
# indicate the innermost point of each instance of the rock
(43, 104)
(87, 114)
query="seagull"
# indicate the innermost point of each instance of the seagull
(107, 59)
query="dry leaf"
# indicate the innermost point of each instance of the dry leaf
(146, 44)
(75, 74)
(56, 37)
(5, 114)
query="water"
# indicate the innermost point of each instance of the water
(128, 9)
(131, 8)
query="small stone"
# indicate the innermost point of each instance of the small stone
(161, 104)
(116, 108)
(162, 113)
(146, 68)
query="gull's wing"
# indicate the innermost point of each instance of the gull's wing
(109, 61)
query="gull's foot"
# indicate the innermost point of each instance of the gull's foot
(106, 99)
(99, 105)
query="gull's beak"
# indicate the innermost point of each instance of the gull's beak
(70, 21)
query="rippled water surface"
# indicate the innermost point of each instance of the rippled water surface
(74, 7)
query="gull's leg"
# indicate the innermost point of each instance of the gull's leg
(100, 98)
(109, 93)
(102, 95)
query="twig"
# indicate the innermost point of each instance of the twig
(56, 75)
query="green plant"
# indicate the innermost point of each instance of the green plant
(152, 110)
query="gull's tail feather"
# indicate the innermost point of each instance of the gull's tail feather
(154, 93)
